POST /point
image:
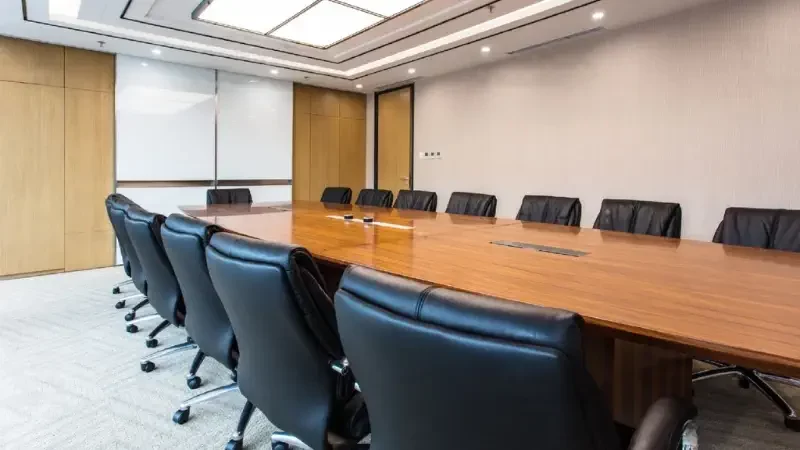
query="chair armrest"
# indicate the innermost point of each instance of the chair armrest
(663, 425)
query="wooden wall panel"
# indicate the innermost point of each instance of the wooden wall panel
(324, 163)
(85, 69)
(31, 62)
(352, 106)
(329, 141)
(301, 156)
(352, 153)
(88, 179)
(31, 178)
(324, 102)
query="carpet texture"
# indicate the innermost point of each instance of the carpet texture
(71, 380)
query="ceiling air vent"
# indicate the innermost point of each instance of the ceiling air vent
(561, 39)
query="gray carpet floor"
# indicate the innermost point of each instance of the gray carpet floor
(70, 379)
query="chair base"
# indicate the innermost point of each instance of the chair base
(749, 377)
(148, 366)
(181, 416)
(286, 441)
(117, 288)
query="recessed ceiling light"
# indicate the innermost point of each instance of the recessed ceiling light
(325, 24)
(259, 16)
(254, 81)
(383, 7)
(598, 16)
(66, 8)
(412, 70)
(486, 49)
(274, 71)
(144, 64)
(359, 86)
(156, 51)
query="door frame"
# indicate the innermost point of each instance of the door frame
(376, 97)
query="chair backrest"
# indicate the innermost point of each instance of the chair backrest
(116, 205)
(286, 331)
(640, 217)
(375, 197)
(228, 196)
(185, 241)
(341, 195)
(547, 209)
(472, 204)
(119, 200)
(447, 369)
(777, 229)
(144, 230)
(418, 200)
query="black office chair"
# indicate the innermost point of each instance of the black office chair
(375, 197)
(547, 209)
(126, 266)
(229, 196)
(289, 366)
(144, 230)
(443, 369)
(775, 229)
(341, 195)
(472, 204)
(116, 205)
(185, 241)
(418, 200)
(640, 217)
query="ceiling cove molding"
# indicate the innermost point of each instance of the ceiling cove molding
(351, 74)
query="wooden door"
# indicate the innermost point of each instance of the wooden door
(394, 140)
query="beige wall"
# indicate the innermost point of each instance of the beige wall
(701, 108)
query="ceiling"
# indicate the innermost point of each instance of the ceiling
(284, 39)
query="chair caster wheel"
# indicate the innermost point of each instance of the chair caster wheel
(151, 343)
(234, 377)
(233, 445)
(744, 383)
(792, 423)
(194, 382)
(189, 339)
(119, 305)
(280, 446)
(116, 290)
(181, 416)
(130, 316)
(131, 328)
(148, 366)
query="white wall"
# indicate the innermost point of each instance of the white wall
(254, 127)
(702, 108)
(164, 121)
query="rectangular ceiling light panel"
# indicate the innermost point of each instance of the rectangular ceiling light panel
(386, 8)
(325, 24)
(259, 16)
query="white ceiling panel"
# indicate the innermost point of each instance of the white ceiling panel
(326, 23)
(259, 16)
(384, 7)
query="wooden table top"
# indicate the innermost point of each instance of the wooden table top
(729, 303)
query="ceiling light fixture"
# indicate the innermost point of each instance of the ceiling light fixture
(359, 86)
(64, 8)
(274, 71)
(384, 7)
(144, 64)
(254, 81)
(486, 49)
(259, 16)
(412, 71)
(325, 24)
(156, 51)
(598, 16)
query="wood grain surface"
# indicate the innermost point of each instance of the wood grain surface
(733, 304)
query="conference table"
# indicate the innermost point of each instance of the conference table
(650, 304)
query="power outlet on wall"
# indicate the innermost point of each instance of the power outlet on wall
(430, 155)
